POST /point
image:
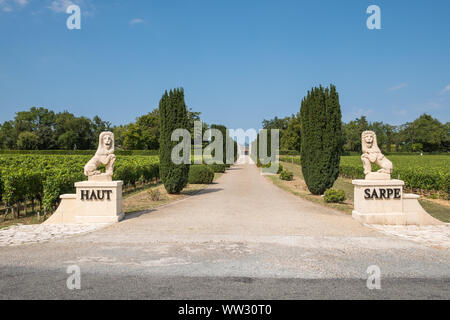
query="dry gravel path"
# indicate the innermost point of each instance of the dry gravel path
(240, 238)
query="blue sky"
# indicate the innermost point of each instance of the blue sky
(238, 61)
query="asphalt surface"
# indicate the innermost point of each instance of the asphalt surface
(242, 238)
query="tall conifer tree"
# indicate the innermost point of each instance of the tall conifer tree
(320, 116)
(173, 115)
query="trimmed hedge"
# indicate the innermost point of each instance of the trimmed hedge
(218, 168)
(201, 174)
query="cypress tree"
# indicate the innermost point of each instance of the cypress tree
(172, 115)
(223, 130)
(268, 146)
(320, 116)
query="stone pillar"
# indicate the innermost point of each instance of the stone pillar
(379, 201)
(98, 202)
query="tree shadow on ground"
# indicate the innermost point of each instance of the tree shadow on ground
(137, 214)
(207, 190)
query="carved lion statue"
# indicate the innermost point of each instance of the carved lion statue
(104, 156)
(372, 154)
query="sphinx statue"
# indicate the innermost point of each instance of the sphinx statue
(372, 154)
(103, 157)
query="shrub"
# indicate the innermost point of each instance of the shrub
(320, 116)
(269, 165)
(218, 168)
(201, 174)
(173, 115)
(334, 196)
(286, 175)
(280, 168)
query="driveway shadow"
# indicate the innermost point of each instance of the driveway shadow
(137, 214)
(207, 190)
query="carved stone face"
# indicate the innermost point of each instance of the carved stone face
(368, 139)
(107, 141)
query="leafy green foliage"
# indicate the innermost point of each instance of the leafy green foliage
(286, 175)
(268, 165)
(320, 116)
(280, 168)
(428, 134)
(425, 134)
(141, 135)
(334, 196)
(290, 131)
(201, 174)
(40, 128)
(27, 141)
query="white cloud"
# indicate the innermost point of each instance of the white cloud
(136, 21)
(21, 2)
(11, 5)
(59, 6)
(446, 89)
(398, 87)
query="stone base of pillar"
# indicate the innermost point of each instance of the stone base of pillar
(94, 202)
(383, 202)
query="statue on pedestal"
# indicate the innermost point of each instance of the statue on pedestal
(104, 156)
(372, 154)
(380, 200)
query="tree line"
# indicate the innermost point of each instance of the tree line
(425, 134)
(43, 129)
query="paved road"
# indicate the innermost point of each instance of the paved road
(241, 238)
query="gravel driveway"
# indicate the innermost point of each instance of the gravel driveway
(241, 238)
